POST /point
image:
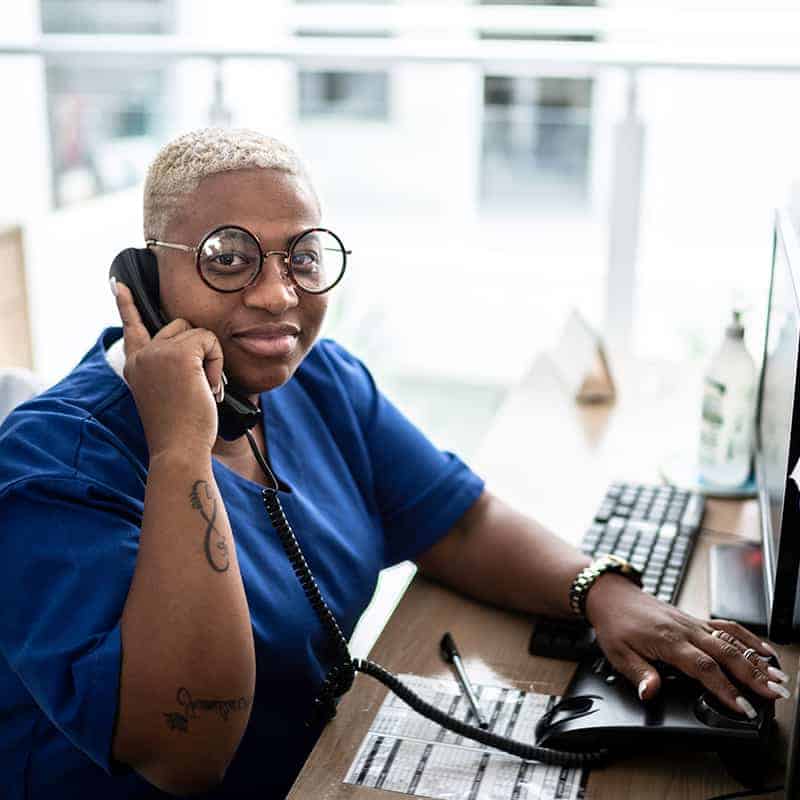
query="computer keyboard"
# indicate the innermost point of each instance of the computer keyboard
(653, 527)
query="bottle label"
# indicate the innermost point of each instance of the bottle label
(725, 432)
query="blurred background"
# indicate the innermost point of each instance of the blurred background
(491, 165)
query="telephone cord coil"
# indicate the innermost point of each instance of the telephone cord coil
(525, 751)
(340, 677)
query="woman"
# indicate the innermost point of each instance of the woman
(160, 640)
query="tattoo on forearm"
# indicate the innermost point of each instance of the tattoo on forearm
(179, 721)
(203, 500)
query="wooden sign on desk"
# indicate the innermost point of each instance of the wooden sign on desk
(580, 360)
(15, 335)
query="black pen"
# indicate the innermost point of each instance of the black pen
(452, 656)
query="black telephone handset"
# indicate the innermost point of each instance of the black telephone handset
(138, 270)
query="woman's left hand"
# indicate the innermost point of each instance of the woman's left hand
(634, 629)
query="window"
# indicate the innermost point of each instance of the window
(106, 16)
(344, 95)
(103, 118)
(536, 137)
(536, 132)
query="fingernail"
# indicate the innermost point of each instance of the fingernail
(769, 649)
(778, 688)
(777, 674)
(221, 392)
(112, 282)
(642, 688)
(746, 706)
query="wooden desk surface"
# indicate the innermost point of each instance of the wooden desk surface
(552, 459)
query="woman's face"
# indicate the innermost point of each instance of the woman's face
(266, 329)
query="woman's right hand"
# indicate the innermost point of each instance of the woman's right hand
(174, 377)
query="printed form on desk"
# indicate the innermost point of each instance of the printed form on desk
(405, 752)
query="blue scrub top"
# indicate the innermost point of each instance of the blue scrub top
(366, 490)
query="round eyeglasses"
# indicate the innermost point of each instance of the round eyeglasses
(230, 258)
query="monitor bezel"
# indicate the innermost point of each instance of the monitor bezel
(781, 560)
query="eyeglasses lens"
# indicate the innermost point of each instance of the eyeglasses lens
(229, 259)
(317, 261)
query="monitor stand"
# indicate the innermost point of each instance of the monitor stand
(737, 585)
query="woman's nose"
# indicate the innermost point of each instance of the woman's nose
(273, 290)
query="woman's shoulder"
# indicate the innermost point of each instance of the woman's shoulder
(86, 425)
(331, 374)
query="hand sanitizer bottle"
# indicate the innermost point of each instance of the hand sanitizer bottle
(727, 422)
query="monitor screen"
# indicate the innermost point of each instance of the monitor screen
(778, 435)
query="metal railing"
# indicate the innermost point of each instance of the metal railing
(511, 57)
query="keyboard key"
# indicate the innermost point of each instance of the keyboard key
(693, 512)
(603, 513)
(647, 528)
(668, 530)
(652, 572)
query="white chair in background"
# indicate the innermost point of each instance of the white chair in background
(16, 386)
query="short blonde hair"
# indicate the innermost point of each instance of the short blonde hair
(181, 164)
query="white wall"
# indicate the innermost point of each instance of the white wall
(68, 256)
(25, 154)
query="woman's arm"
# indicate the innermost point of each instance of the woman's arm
(498, 555)
(188, 665)
(188, 661)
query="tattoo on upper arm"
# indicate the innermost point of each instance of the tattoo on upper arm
(204, 501)
(179, 721)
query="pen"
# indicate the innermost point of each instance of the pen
(452, 656)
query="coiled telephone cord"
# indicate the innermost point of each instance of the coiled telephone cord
(341, 676)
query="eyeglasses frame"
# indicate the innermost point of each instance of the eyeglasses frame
(264, 256)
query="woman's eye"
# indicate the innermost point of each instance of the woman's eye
(305, 261)
(229, 260)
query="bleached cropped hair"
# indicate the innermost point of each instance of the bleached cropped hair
(181, 164)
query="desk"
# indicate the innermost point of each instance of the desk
(553, 459)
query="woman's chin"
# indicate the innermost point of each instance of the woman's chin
(255, 381)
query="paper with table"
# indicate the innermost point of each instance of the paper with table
(404, 752)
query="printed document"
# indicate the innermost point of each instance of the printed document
(405, 752)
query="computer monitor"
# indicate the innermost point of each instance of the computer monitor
(777, 450)
(759, 586)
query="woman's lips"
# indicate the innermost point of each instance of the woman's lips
(267, 346)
